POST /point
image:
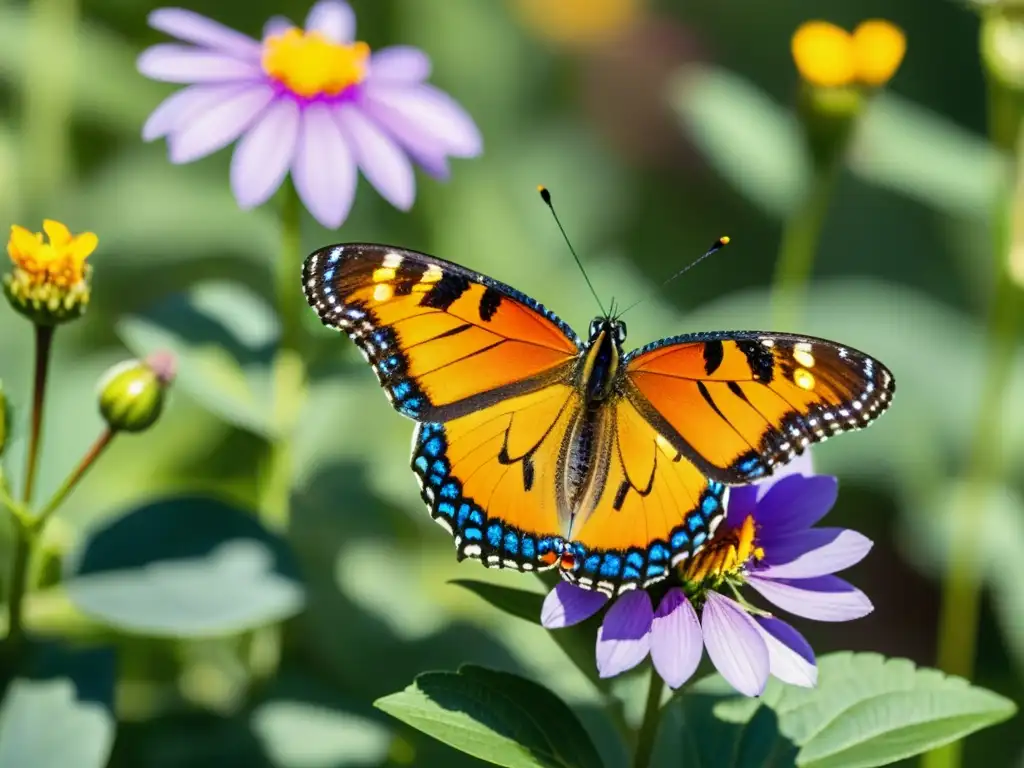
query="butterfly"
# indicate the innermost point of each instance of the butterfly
(536, 449)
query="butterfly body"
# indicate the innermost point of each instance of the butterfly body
(536, 449)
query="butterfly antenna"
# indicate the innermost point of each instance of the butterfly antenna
(546, 197)
(719, 244)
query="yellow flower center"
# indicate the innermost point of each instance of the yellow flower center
(828, 56)
(725, 555)
(58, 260)
(309, 64)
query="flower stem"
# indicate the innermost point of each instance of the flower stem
(44, 344)
(799, 244)
(94, 452)
(649, 725)
(289, 373)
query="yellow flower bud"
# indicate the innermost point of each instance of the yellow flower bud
(132, 392)
(879, 47)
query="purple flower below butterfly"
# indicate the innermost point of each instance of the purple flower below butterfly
(313, 102)
(768, 543)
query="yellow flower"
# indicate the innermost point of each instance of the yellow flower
(579, 22)
(50, 280)
(828, 56)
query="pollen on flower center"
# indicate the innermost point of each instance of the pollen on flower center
(309, 64)
(725, 555)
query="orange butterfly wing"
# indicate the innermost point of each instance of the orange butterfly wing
(741, 404)
(443, 341)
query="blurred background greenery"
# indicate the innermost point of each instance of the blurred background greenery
(658, 126)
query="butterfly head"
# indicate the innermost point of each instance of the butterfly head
(600, 364)
(613, 329)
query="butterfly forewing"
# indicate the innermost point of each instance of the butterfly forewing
(442, 340)
(742, 404)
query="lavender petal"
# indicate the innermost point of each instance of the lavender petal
(823, 598)
(262, 157)
(173, 63)
(206, 33)
(790, 656)
(742, 503)
(735, 644)
(796, 502)
(624, 639)
(177, 109)
(399, 64)
(568, 604)
(277, 25)
(219, 125)
(676, 641)
(324, 169)
(335, 20)
(813, 552)
(429, 112)
(384, 163)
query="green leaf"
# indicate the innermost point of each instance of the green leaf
(866, 711)
(185, 567)
(752, 141)
(495, 716)
(224, 337)
(576, 641)
(297, 734)
(44, 724)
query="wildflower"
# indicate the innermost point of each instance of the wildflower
(311, 101)
(132, 392)
(766, 543)
(50, 280)
(828, 56)
(580, 22)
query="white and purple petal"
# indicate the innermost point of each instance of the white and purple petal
(401, 64)
(676, 640)
(382, 161)
(795, 503)
(568, 604)
(428, 112)
(812, 552)
(219, 125)
(177, 109)
(324, 170)
(624, 639)
(333, 19)
(735, 644)
(262, 157)
(790, 657)
(199, 30)
(174, 63)
(823, 598)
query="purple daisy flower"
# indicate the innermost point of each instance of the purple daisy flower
(314, 102)
(766, 542)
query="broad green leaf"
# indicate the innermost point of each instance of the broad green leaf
(224, 337)
(752, 141)
(44, 724)
(866, 711)
(496, 716)
(298, 734)
(184, 567)
(577, 641)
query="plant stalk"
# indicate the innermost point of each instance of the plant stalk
(44, 346)
(649, 725)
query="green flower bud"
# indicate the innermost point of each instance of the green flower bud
(132, 392)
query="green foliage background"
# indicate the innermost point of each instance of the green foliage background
(653, 146)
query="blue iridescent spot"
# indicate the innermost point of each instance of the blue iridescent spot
(635, 559)
(421, 463)
(544, 546)
(433, 446)
(401, 389)
(591, 563)
(654, 571)
(748, 464)
(411, 406)
(379, 337)
(578, 549)
(699, 539)
(446, 509)
(440, 466)
(389, 365)
(328, 274)
(473, 534)
(430, 429)
(529, 548)
(659, 552)
(629, 572)
(709, 505)
(450, 491)
(679, 540)
(333, 258)
(611, 566)
(460, 519)
(511, 542)
(715, 487)
(435, 479)
(494, 534)
(476, 516)
(695, 523)
(756, 472)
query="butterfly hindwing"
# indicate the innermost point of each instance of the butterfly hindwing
(442, 340)
(741, 404)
